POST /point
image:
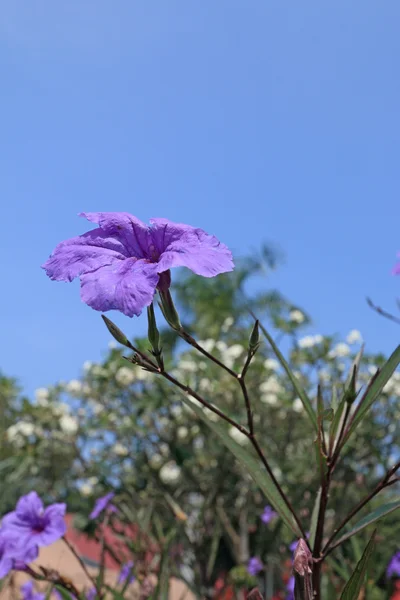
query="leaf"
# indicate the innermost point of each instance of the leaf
(372, 517)
(298, 388)
(252, 465)
(373, 391)
(353, 586)
(63, 593)
(314, 519)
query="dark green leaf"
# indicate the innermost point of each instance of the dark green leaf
(372, 517)
(374, 390)
(353, 586)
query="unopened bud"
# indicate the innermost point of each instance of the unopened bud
(153, 334)
(169, 311)
(351, 393)
(116, 332)
(254, 342)
(302, 568)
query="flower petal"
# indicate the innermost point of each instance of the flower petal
(83, 254)
(127, 286)
(132, 232)
(185, 246)
(29, 507)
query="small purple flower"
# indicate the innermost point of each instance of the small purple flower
(124, 261)
(393, 568)
(255, 566)
(290, 588)
(126, 571)
(103, 503)
(268, 515)
(28, 592)
(91, 594)
(34, 525)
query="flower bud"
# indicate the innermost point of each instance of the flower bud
(116, 332)
(153, 334)
(302, 568)
(169, 311)
(254, 342)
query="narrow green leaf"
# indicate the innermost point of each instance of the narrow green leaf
(372, 517)
(356, 364)
(252, 465)
(298, 388)
(372, 393)
(63, 593)
(337, 419)
(314, 519)
(353, 586)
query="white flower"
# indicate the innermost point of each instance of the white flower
(68, 424)
(120, 450)
(87, 365)
(297, 405)
(340, 349)
(182, 432)
(74, 387)
(354, 337)
(23, 428)
(271, 364)
(170, 472)
(42, 396)
(156, 461)
(164, 449)
(205, 385)
(271, 386)
(208, 344)
(221, 346)
(188, 365)
(270, 399)
(372, 369)
(310, 340)
(238, 436)
(125, 376)
(93, 480)
(227, 324)
(112, 344)
(296, 316)
(99, 371)
(60, 408)
(86, 489)
(235, 351)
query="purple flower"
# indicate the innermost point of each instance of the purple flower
(290, 588)
(28, 592)
(34, 525)
(124, 261)
(268, 515)
(393, 568)
(91, 594)
(103, 503)
(254, 566)
(126, 571)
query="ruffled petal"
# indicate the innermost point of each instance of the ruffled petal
(185, 246)
(127, 286)
(132, 232)
(83, 254)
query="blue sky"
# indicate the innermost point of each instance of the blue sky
(258, 121)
